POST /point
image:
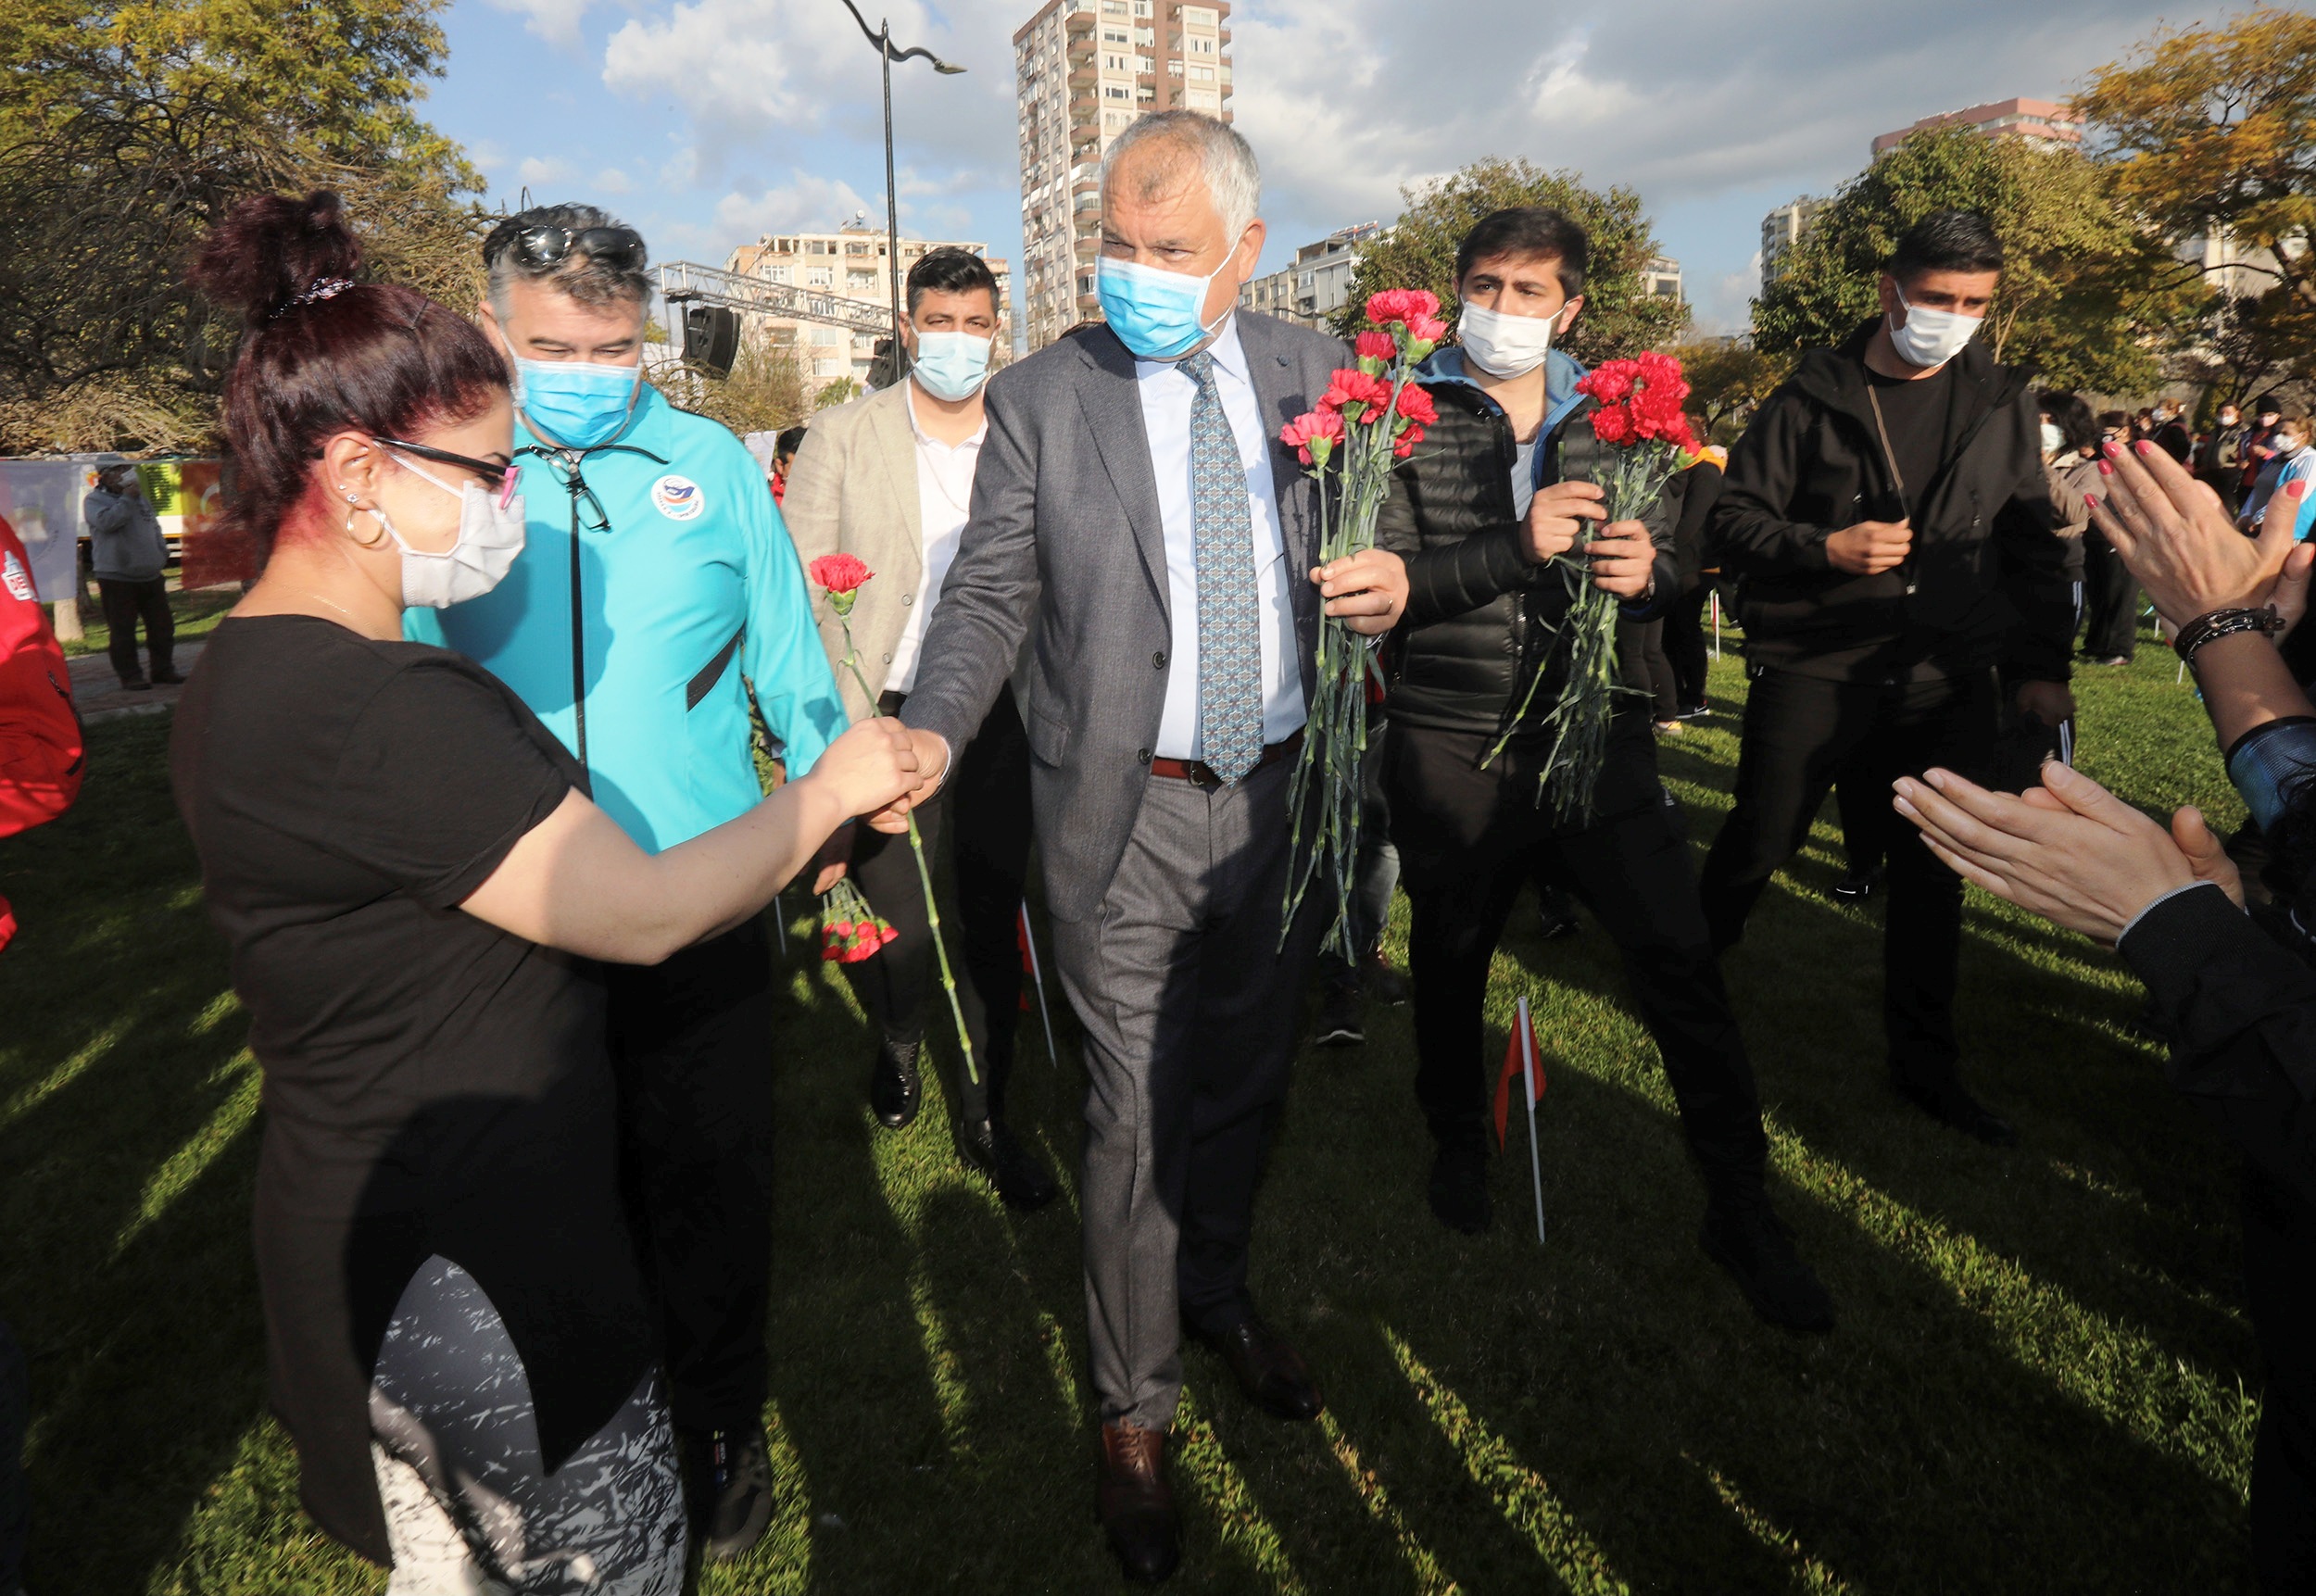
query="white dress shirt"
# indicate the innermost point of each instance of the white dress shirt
(944, 496)
(1166, 393)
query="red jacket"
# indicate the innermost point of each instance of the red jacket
(42, 758)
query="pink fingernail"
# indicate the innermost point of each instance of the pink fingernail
(2112, 451)
(2144, 446)
(2092, 499)
(2106, 470)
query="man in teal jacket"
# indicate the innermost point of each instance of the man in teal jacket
(656, 585)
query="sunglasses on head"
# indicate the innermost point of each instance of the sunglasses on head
(500, 479)
(544, 245)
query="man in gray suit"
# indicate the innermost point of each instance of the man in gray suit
(1134, 517)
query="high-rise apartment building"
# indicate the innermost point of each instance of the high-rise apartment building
(1083, 70)
(1314, 286)
(2036, 122)
(851, 264)
(1782, 229)
(1661, 279)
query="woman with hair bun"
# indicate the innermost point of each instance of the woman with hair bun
(415, 887)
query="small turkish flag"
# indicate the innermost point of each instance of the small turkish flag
(1512, 1069)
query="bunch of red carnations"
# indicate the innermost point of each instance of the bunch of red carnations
(849, 930)
(1373, 413)
(1637, 413)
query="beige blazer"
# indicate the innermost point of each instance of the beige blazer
(852, 489)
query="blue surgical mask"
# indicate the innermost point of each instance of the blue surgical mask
(577, 404)
(953, 366)
(1154, 313)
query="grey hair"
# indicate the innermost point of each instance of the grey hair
(1233, 179)
(585, 279)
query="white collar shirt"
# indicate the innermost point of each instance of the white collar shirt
(944, 496)
(1167, 393)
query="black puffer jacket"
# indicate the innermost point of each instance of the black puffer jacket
(1989, 584)
(1480, 613)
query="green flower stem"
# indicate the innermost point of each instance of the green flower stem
(851, 661)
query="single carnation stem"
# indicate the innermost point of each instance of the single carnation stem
(925, 874)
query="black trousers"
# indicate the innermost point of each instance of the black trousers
(2280, 1283)
(2111, 595)
(1642, 664)
(1801, 732)
(691, 1047)
(1470, 838)
(125, 604)
(1686, 649)
(983, 811)
(16, 1419)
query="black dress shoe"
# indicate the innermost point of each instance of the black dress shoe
(1269, 1371)
(168, 679)
(727, 1486)
(990, 1149)
(1952, 1106)
(1459, 1188)
(1136, 1504)
(1858, 885)
(895, 1091)
(1385, 984)
(1746, 1239)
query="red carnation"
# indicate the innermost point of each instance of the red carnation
(1408, 439)
(1403, 305)
(1321, 428)
(838, 572)
(1350, 387)
(1612, 424)
(1415, 405)
(1376, 346)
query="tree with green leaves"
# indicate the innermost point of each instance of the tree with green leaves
(1419, 252)
(127, 129)
(2085, 291)
(1727, 378)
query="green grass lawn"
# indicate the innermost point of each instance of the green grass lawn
(197, 614)
(2041, 1380)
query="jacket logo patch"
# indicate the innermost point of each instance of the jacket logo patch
(17, 580)
(678, 498)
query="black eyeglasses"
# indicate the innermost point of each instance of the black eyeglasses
(544, 245)
(501, 479)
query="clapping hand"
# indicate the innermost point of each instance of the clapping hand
(2175, 535)
(2068, 850)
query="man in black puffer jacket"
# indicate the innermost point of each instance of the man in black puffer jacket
(1888, 520)
(1499, 491)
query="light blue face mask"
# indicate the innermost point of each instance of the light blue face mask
(1154, 313)
(953, 366)
(577, 404)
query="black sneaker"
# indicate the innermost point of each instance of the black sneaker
(135, 685)
(727, 1480)
(1859, 885)
(990, 1149)
(1459, 1188)
(1339, 1018)
(1751, 1242)
(1557, 911)
(1385, 984)
(895, 1091)
(1696, 712)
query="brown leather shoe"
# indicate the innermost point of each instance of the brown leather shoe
(1136, 1504)
(1269, 1371)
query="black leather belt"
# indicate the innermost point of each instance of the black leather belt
(1199, 774)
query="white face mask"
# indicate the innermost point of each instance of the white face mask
(2052, 438)
(1931, 337)
(953, 366)
(1503, 346)
(490, 536)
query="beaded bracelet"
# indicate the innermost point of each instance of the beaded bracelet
(2224, 622)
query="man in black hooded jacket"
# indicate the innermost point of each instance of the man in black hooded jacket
(1487, 515)
(1886, 515)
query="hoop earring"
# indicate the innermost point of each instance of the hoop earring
(365, 509)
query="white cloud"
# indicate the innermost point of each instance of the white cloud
(538, 171)
(557, 21)
(805, 202)
(611, 180)
(487, 154)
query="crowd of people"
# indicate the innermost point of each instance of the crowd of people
(470, 772)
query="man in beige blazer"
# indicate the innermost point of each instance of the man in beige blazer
(889, 479)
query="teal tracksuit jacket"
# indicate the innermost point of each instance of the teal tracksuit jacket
(653, 577)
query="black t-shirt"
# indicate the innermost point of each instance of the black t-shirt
(1922, 415)
(433, 1085)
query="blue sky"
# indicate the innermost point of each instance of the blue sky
(706, 122)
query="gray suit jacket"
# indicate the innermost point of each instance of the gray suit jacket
(1065, 549)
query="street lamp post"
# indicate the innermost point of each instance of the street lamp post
(881, 40)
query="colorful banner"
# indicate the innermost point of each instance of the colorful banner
(208, 555)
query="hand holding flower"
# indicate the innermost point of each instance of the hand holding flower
(1556, 517)
(1366, 591)
(1623, 560)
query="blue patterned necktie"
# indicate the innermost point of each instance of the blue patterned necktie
(1230, 633)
